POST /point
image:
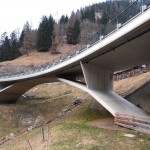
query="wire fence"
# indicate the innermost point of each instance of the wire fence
(37, 139)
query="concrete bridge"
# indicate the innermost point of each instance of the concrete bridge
(125, 45)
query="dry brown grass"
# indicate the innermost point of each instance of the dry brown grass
(46, 89)
(127, 86)
(71, 132)
(37, 58)
(78, 136)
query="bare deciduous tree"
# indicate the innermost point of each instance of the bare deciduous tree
(56, 38)
(28, 39)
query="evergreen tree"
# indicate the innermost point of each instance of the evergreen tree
(9, 47)
(63, 19)
(2, 40)
(5, 48)
(44, 34)
(104, 19)
(70, 38)
(88, 13)
(21, 38)
(66, 19)
(92, 14)
(73, 33)
(77, 31)
(2, 50)
(14, 45)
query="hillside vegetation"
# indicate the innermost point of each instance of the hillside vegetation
(71, 126)
(34, 59)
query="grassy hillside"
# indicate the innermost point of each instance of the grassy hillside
(70, 126)
(79, 136)
(34, 59)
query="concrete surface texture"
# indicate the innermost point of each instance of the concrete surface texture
(141, 98)
(99, 82)
(13, 92)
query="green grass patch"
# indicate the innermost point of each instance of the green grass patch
(77, 135)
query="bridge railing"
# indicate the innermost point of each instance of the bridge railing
(135, 8)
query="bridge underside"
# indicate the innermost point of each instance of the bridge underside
(11, 93)
(99, 84)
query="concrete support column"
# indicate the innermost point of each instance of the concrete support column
(97, 78)
(99, 84)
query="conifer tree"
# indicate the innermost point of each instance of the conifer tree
(21, 38)
(63, 19)
(5, 47)
(73, 33)
(14, 45)
(77, 31)
(44, 34)
(9, 48)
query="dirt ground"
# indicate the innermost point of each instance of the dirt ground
(106, 123)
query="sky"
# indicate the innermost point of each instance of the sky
(15, 13)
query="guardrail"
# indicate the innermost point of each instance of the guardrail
(135, 8)
(131, 72)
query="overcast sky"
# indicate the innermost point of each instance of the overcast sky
(14, 13)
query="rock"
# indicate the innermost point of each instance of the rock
(30, 128)
(26, 121)
(141, 140)
(78, 101)
(66, 110)
(130, 135)
(12, 135)
(59, 114)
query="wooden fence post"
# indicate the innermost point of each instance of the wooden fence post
(42, 130)
(29, 144)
